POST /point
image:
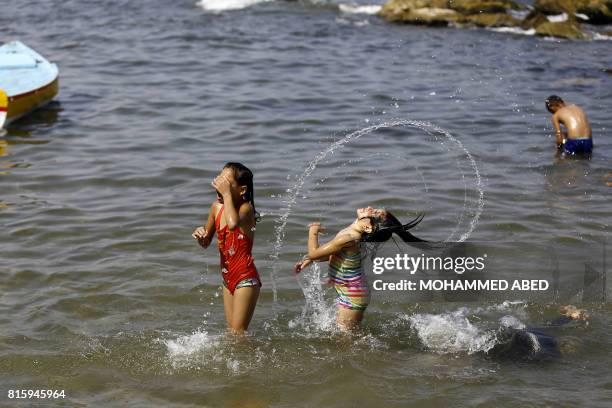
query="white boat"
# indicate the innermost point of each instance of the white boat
(27, 81)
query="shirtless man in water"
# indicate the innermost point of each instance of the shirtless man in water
(533, 342)
(577, 139)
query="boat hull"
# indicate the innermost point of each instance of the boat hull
(20, 105)
(27, 81)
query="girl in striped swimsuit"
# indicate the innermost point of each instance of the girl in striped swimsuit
(345, 258)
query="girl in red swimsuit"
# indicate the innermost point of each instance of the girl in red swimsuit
(233, 218)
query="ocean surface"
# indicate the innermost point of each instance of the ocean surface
(105, 294)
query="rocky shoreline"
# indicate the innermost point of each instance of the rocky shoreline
(553, 18)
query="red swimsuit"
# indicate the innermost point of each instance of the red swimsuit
(235, 248)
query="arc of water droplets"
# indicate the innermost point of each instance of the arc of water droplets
(428, 127)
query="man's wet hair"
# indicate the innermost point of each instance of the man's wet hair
(553, 100)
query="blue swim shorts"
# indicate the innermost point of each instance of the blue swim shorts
(578, 146)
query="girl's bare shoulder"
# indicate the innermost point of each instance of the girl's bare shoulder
(348, 237)
(247, 214)
(246, 206)
(214, 208)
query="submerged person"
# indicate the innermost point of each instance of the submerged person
(577, 140)
(536, 343)
(233, 216)
(345, 258)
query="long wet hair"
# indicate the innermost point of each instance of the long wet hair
(244, 177)
(383, 229)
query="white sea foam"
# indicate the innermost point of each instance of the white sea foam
(582, 16)
(223, 5)
(559, 18)
(514, 30)
(601, 37)
(359, 9)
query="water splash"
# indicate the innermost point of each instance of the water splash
(200, 349)
(466, 330)
(511, 322)
(183, 348)
(451, 333)
(430, 129)
(316, 312)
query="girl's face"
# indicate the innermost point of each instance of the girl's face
(364, 215)
(371, 212)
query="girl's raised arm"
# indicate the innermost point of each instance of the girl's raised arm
(222, 185)
(318, 253)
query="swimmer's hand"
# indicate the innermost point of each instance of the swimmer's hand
(222, 185)
(299, 267)
(315, 228)
(574, 313)
(201, 235)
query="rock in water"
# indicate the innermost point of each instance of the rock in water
(493, 20)
(442, 12)
(399, 6)
(598, 11)
(482, 6)
(566, 29)
(490, 13)
(554, 6)
(428, 16)
(428, 10)
(533, 19)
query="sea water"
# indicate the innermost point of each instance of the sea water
(105, 293)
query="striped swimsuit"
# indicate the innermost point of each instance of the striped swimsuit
(346, 273)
